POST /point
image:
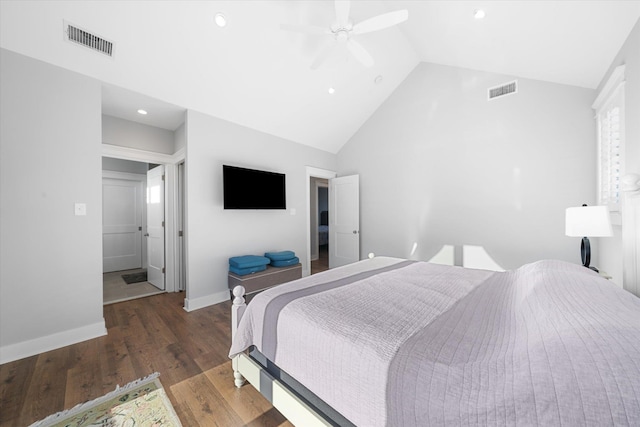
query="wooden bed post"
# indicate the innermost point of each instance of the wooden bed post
(237, 310)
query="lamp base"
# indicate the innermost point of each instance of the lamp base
(585, 252)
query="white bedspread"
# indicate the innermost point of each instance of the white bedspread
(406, 343)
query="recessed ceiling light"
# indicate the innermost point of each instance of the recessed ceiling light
(143, 112)
(378, 80)
(221, 20)
(479, 14)
(331, 91)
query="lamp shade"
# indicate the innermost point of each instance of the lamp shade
(588, 221)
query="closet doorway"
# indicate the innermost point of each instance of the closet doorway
(319, 225)
(125, 239)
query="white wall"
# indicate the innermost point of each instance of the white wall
(180, 138)
(629, 54)
(51, 270)
(215, 234)
(120, 165)
(125, 133)
(439, 164)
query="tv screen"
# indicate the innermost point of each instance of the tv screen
(253, 189)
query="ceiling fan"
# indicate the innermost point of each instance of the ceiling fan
(343, 31)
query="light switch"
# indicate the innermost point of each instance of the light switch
(80, 209)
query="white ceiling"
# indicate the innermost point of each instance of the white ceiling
(169, 55)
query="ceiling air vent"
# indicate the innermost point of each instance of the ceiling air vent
(504, 89)
(78, 35)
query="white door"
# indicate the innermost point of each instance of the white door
(344, 220)
(121, 223)
(155, 226)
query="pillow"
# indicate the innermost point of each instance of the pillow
(280, 256)
(248, 261)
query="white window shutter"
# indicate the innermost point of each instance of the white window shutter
(609, 106)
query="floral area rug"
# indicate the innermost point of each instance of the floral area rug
(141, 403)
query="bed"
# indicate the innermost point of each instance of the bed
(388, 341)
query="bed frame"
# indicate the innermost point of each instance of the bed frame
(295, 402)
(281, 395)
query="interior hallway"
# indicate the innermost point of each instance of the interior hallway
(115, 289)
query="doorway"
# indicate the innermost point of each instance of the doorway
(344, 217)
(125, 202)
(319, 225)
(315, 178)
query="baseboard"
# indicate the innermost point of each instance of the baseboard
(205, 301)
(12, 352)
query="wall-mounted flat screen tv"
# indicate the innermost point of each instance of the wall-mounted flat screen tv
(253, 189)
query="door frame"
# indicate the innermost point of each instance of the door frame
(171, 206)
(312, 172)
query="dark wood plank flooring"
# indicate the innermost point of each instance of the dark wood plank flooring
(146, 335)
(322, 263)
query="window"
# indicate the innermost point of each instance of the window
(609, 106)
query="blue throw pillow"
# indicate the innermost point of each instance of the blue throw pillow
(245, 271)
(285, 263)
(280, 256)
(248, 261)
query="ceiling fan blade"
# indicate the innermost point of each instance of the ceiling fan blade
(342, 12)
(324, 53)
(307, 29)
(381, 21)
(360, 53)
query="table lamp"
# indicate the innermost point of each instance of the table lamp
(584, 221)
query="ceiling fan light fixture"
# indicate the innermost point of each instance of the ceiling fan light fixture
(220, 19)
(479, 14)
(343, 31)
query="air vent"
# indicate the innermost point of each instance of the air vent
(504, 89)
(85, 38)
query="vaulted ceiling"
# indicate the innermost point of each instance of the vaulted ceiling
(170, 55)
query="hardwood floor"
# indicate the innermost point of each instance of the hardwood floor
(146, 335)
(322, 263)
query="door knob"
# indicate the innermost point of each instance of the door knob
(146, 234)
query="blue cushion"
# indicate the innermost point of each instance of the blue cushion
(280, 256)
(248, 261)
(285, 263)
(248, 270)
